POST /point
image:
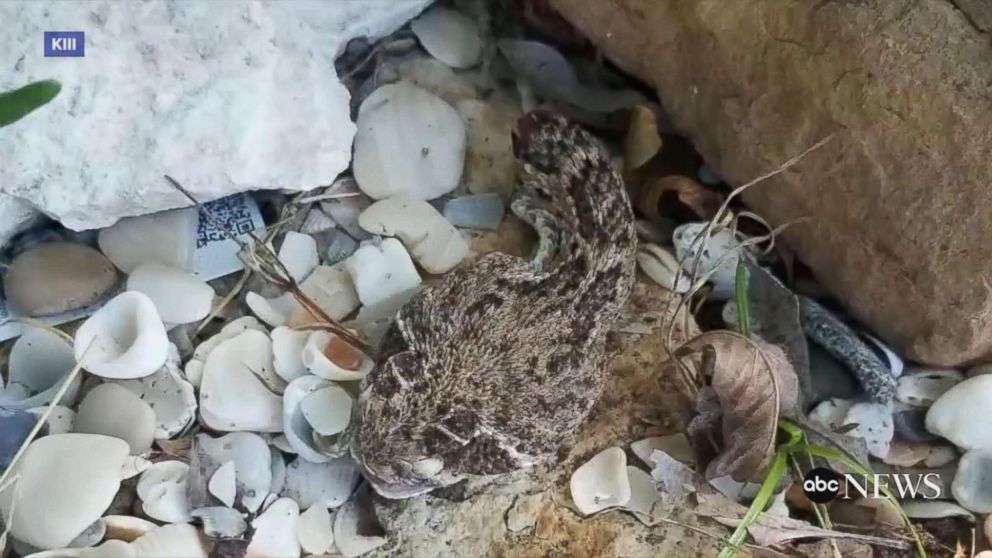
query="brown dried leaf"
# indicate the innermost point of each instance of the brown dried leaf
(747, 385)
(642, 142)
(702, 202)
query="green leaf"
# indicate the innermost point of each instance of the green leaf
(16, 104)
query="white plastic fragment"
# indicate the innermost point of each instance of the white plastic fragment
(123, 339)
(601, 482)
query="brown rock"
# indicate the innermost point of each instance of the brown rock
(57, 277)
(900, 199)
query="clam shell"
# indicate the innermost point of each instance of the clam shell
(221, 522)
(601, 482)
(179, 296)
(298, 253)
(252, 463)
(316, 361)
(124, 339)
(170, 396)
(162, 489)
(233, 395)
(222, 484)
(53, 507)
(194, 367)
(316, 530)
(276, 531)
(327, 484)
(287, 351)
(112, 410)
(39, 362)
(170, 541)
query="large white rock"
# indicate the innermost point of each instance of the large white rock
(246, 90)
(15, 216)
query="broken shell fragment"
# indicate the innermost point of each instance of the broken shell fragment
(601, 482)
(166, 237)
(124, 339)
(380, 272)
(874, 426)
(222, 484)
(922, 386)
(316, 531)
(126, 528)
(220, 522)
(276, 531)
(717, 257)
(91, 536)
(179, 296)
(252, 465)
(162, 489)
(170, 541)
(330, 357)
(299, 433)
(331, 288)
(328, 410)
(449, 36)
(287, 352)
(39, 361)
(236, 392)
(194, 367)
(172, 399)
(663, 268)
(645, 500)
(431, 239)
(111, 410)
(273, 311)
(61, 420)
(354, 525)
(298, 254)
(327, 484)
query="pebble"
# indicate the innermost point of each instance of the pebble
(58, 277)
(432, 241)
(449, 36)
(167, 238)
(380, 272)
(112, 410)
(875, 427)
(478, 211)
(922, 386)
(957, 414)
(15, 425)
(408, 142)
(718, 261)
(935, 510)
(829, 378)
(844, 344)
(179, 296)
(972, 486)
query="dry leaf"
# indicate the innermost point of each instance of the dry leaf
(771, 530)
(702, 202)
(703, 431)
(747, 385)
(642, 142)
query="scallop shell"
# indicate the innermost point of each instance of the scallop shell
(179, 296)
(317, 362)
(124, 339)
(39, 362)
(275, 533)
(601, 482)
(162, 489)
(233, 395)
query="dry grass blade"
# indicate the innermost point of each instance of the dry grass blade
(262, 260)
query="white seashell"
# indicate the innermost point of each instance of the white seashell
(328, 410)
(299, 432)
(671, 475)
(111, 410)
(349, 529)
(39, 362)
(645, 500)
(922, 386)
(62, 420)
(170, 541)
(601, 482)
(449, 36)
(281, 442)
(276, 531)
(221, 522)
(381, 272)
(327, 484)
(179, 296)
(318, 364)
(233, 395)
(252, 463)
(52, 506)
(891, 358)
(298, 254)
(956, 415)
(278, 470)
(109, 549)
(126, 528)
(171, 397)
(273, 311)
(433, 241)
(162, 489)
(133, 466)
(194, 367)
(934, 510)
(222, 484)
(675, 445)
(91, 536)
(875, 426)
(316, 531)
(331, 288)
(408, 141)
(718, 260)
(373, 321)
(830, 414)
(287, 352)
(167, 237)
(661, 266)
(735, 490)
(124, 339)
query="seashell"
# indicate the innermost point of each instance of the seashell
(179, 296)
(887, 355)
(344, 210)
(298, 254)
(281, 443)
(194, 367)
(162, 489)
(645, 500)
(431, 239)
(327, 484)
(124, 339)
(329, 357)
(299, 432)
(970, 486)
(601, 482)
(167, 237)
(315, 530)
(328, 410)
(91, 536)
(170, 541)
(662, 267)
(111, 410)
(61, 420)
(676, 445)
(874, 426)
(172, 399)
(380, 272)
(252, 463)
(278, 469)
(735, 490)
(373, 321)
(956, 415)
(317, 222)
(52, 507)
(671, 475)
(830, 414)
(15, 427)
(718, 261)
(109, 549)
(275, 533)
(133, 466)
(273, 311)
(354, 524)
(222, 484)
(449, 36)
(126, 528)
(220, 522)
(39, 361)
(922, 386)
(237, 389)
(479, 211)
(287, 351)
(331, 288)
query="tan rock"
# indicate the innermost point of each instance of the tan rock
(57, 277)
(899, 198)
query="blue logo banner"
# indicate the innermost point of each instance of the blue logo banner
(64, 43)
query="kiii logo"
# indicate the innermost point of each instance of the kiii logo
(823, 485)
(65, 43)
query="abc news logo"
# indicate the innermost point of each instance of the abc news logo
(822, 485)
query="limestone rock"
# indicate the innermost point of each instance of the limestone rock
(892, 201)
(94, 154)
(15, 216)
